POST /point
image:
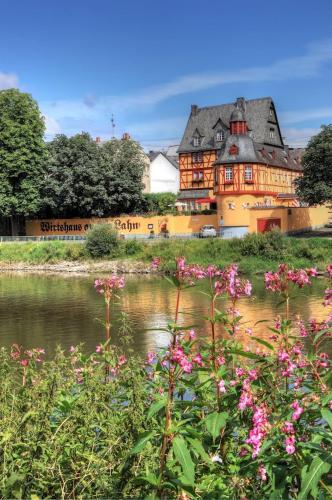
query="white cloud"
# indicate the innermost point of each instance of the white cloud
(298, 137)
(52, 126)
(8, 81)
(306, 115)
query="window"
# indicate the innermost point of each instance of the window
(219, 136)
(228, 174)
(248, 173)
(197, 157)
(271, 112)
(272, 135)
(197, 141)
(198, 175)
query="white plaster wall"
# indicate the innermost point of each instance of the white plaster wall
(164, 177)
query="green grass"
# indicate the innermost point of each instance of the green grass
(253, 254)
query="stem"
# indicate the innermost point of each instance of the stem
(167, 439)
(213, 351)
(107, 323)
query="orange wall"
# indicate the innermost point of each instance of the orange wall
(130, 225)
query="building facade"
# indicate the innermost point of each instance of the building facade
(232, 158)
(163, 173)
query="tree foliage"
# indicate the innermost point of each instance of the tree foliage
(84, 179)
(22, 153)
(315, 186)
(161, 203)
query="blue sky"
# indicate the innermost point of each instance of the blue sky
(146, 61)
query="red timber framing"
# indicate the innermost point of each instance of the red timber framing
(265, 180)
(196, 174)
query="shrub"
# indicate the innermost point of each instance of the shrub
(102, 241)
(132, 247)
(271, 245)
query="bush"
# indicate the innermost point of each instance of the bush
(271, 245)
(132, 247)
(102, 241)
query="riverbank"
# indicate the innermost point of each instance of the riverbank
(253, 254)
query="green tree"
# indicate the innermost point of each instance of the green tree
(74, 183)
(85, 179)
(161, 203)
(22, 155)
(315, 185)
(125, 162)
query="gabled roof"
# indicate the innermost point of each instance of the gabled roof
(257, 114)
(172, 159)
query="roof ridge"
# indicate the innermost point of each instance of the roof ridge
(234, 102)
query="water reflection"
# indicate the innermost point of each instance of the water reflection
(46, 310)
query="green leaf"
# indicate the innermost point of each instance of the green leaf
(198, 447)
(327, 415)
(155, 407)
(214, 422)
(250, 355)
(320, 334)
(263, 342)
(142, 441)
(310, 477)
(182, 454)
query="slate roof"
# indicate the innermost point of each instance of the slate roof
(256, 146)
(257, 114)
(172, 159)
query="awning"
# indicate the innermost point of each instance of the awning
(206, 200)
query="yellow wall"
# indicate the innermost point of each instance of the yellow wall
(130, 225)
(292, 219)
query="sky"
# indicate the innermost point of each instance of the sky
(147, 61)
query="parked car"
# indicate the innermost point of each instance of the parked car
(208, 232)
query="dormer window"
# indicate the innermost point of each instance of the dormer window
(197, 141)
(219, 135)
(272, 133)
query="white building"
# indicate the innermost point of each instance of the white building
(164, 172)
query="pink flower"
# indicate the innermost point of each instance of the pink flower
(107, 285)
(239, 372)
(220, 360)
(198, 359)
(329, 270)
(330, 404)
(99, 349)
(288, 428)
(24, 362)
(122, 360)
(249, 331)
(283, 356)
(262, 472)
(186, 365)
(155, 263)
(192, 334)
(259, 430)
(151, 356)
(290, 444)
(298, 410)
(72, 349)
(221, 386)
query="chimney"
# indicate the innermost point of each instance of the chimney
(241, 103)
(98, 140)
(125, 136)
(194, 109)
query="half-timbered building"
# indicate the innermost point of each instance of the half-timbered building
(232, 158)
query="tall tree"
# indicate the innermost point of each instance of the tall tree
(315, 185)
(22, 154)
(85, 179)
(126, 162)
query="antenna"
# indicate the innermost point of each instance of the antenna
(113, 126)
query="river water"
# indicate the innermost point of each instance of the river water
(39, 310)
